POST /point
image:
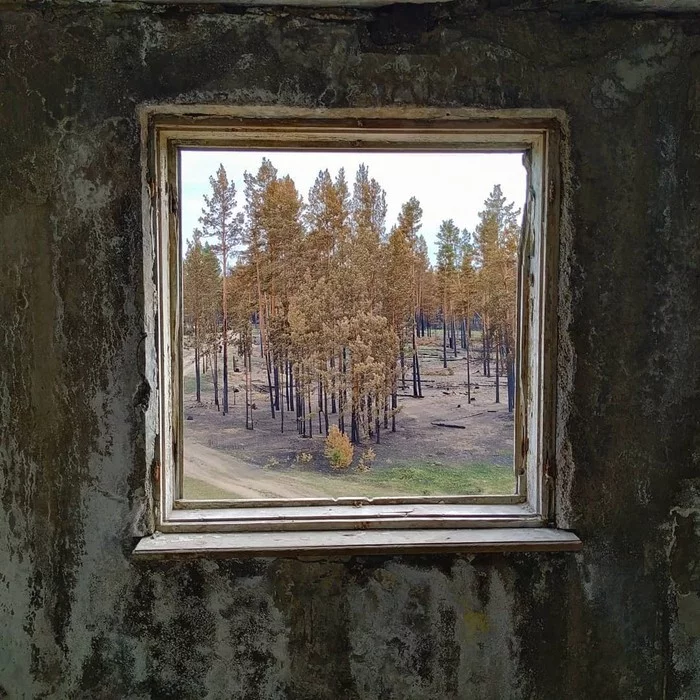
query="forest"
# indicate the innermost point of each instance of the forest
(318, 314)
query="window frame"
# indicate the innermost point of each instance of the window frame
(536, 133)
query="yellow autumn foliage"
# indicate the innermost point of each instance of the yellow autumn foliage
(338, 449)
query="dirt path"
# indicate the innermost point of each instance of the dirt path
(226, 472)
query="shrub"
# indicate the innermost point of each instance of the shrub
(338, 449)
(304, 457)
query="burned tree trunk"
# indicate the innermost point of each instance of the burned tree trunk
(197, 377)
(498, 368)
(444, 341)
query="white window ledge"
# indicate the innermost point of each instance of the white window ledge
(346, 542)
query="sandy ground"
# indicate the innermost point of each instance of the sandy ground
(263, 462)
(228, 473)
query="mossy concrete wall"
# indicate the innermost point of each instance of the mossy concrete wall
(80, 619)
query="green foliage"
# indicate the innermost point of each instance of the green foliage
(433, 479)
(219, 218)
(448, 239)
(201, 276)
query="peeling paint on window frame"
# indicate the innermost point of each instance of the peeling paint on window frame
(535, 133)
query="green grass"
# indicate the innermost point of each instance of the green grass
(430, 479)
(415, 479)
(408, 479)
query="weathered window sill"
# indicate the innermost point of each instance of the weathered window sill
(346, 542)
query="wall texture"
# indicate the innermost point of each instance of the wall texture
(79, 619)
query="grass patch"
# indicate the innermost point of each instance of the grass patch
(201, 490)
(429, 479)
(407, 479)
(415, 479)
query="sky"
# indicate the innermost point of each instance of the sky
(448, 186)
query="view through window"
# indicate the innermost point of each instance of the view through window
(349, 322)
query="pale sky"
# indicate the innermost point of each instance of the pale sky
(448, 186)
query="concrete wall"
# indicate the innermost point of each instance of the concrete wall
(79, 619)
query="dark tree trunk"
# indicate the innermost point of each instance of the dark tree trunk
(498, 369)
(489, 350)
(510, 369)
(268, 363)
(311, 415)
(376, 416)
(417, 389)
(333, 406)
(413, 375)
(277, 385)
(469, 379)
(354, 428)
(345, 384)
(214, 366)
(320, 403)
(250, 384)
(225, 372)
(247, 395)
(402, 359)
(370, 429)
(197, 377)
(355, 414)
(418, 380)
(301, 421)
(444, 341)
(283, 391)
(483, 348)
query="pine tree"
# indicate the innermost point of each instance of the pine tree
(280, 217)
(466, 300)
(368, 216)
(407, 263)
(326, 250)
(496, 251)
(423, 280)
(201, 281)
(447, 258)
(255, 235)
(220, 221)
(326, 219)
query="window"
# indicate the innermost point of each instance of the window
(413, 519)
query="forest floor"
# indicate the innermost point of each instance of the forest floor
(224, 460)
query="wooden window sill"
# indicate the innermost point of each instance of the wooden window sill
(352, 542)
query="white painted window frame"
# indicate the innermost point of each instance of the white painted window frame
(333, 523)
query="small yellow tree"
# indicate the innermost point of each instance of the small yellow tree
(338, 449)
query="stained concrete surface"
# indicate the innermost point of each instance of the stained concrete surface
(80, 619)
